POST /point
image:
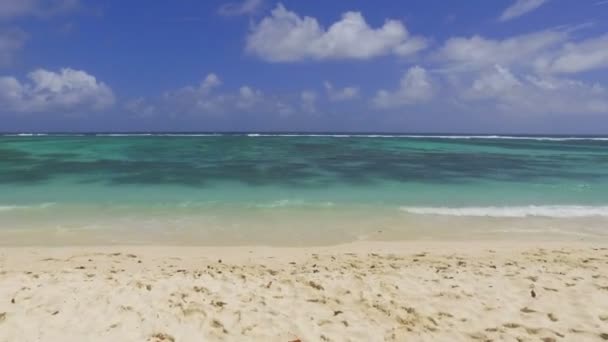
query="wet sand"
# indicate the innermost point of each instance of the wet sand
(368, 291)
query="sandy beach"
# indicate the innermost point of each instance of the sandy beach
(368, 291)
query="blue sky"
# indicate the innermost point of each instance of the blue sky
(503, 66)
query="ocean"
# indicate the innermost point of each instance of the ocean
(298, 189)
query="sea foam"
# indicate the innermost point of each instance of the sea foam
(557, 211)
(24, 207)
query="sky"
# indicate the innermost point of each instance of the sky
(434, 66)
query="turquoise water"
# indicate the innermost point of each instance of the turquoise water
(210, 185)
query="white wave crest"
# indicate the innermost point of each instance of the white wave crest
(24, 207)
(556, 211)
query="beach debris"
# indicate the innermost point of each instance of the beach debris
(219, 261)
(55, 313)
(131, 256)
(532, 293)
(552, 317)
(337, 312)
(604, 336)
(296, 340)
(315, 285)
(218, 303)
(2, 317)
(13, 301)
(162, 337)
(217, 324)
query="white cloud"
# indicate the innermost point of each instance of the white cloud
(206, 99)
(480, 52)
(586, 55)
(347, 93)
(499, 81)
(519, 8)
(46, 91)
(531, 94)
(42, 8)
(309, 100)
(140, 107)
(210, 82)
(415, 87)
(246, 7)
(11, 41)
(284, 36)
(248, 97)
(196, 98)
(549, 51)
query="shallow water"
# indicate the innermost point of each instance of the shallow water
(295, 189)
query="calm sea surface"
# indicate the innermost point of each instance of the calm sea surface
(298, 189)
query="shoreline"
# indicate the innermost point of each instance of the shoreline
(372, 291)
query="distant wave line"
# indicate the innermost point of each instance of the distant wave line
(255, 135)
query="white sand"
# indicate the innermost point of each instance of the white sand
(406, 291)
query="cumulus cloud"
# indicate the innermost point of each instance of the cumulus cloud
(207, 99)
(532, 94)
(344, 94)
(196, 98)
(248, 97)
(480, 52)
(210, 82)
(309, 100)
(497, 82)
(46, 91)
(284, 36)
(246, 7)
(42, 8)
(519, 8)
(415, 87)
(140, 107)
(576, 57)
(11, 41)
(549, 51)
